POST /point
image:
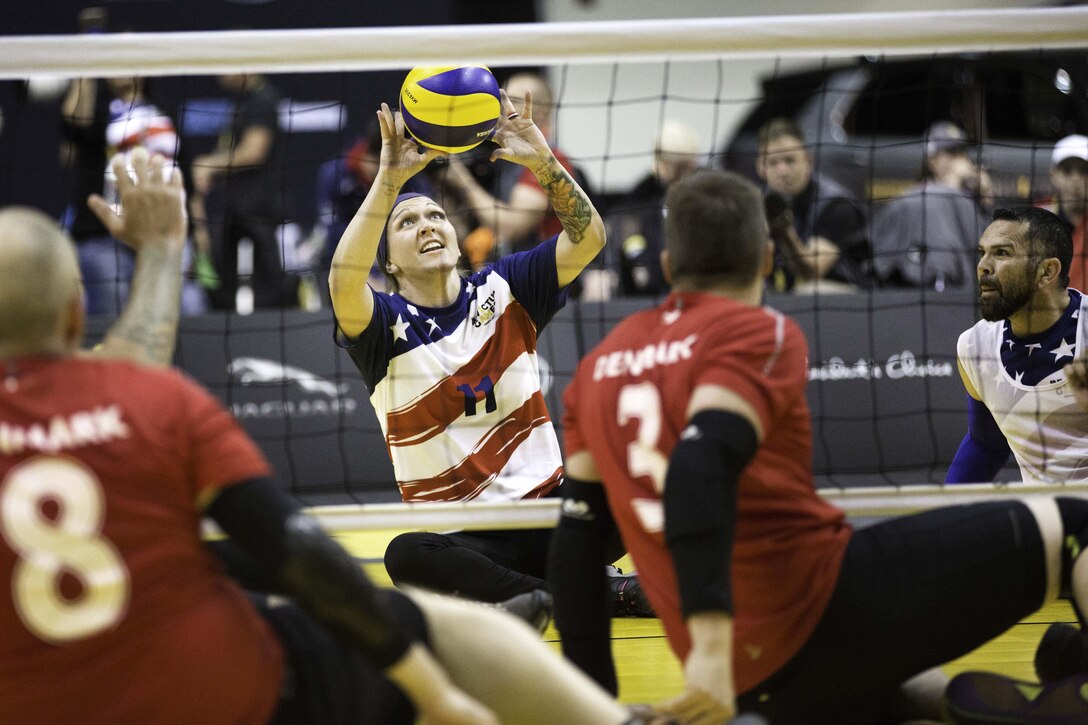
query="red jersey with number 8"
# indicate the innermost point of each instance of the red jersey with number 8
(628, 405)
(111, 608)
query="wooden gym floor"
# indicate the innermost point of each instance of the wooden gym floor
(648, 672)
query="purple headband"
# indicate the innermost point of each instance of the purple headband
(383, 241)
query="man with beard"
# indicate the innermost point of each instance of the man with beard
(1020, 398)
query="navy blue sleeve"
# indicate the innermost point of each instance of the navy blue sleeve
(534, 280)
(373, 348)
(983, 451)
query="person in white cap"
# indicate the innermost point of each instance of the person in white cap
(927, 236)
(1069, 177)
(638, 219)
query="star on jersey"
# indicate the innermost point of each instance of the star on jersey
(398, 328)
(1063, 350)
(433, 324)
(1010, 343)
(1019, 378)
(413, 310)
(469, 288)
(670, 317)
(1033, 347)
(999, 375)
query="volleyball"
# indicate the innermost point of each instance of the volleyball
(450, 108)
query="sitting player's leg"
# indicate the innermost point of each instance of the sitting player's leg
(913, 593)
(330, 682)
(488, 566)
(1063, 650)
(502, 663)
(982, 698)
(1074, 566)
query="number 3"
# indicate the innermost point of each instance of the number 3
(642, 401)
(71, 542)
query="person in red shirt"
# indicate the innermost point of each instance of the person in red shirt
(115, 611)
(693, 416)
(1069, 177)
(516, 213)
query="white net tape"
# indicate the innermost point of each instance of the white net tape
(856, 502)
(358, 49)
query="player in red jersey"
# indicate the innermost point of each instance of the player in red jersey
(693, 416)
(113, 609)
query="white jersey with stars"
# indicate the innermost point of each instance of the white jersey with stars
(457, 389)
(1021, 382)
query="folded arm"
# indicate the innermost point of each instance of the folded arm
(984, 450)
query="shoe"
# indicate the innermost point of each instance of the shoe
(628, 598)
(1062, 652)
(987, 698)
(534, 607)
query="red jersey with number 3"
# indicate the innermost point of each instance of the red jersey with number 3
(111, 608)
(627, 406)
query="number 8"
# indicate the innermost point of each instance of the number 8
(71, 543)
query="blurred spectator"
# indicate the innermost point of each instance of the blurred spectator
(136, 122)
(1069, 176)
(636, 225)
(819, 225)
(101, 119)
(342, 184)
(512, 214)
(240, 182)
(105, 263)
(927, 236)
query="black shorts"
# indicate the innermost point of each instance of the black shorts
(327, 680)
(913, 593)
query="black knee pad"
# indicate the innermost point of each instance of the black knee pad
(402, 552)
(408, 615)
(406, 553)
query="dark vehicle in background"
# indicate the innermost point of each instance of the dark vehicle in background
(864, 121)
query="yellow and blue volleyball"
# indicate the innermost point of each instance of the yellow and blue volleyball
(450, 108)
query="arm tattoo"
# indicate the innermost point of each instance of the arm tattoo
(568, 200)
(147, 329)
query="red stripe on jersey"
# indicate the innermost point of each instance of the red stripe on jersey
(138, 136)
(465, 480)
(545, 488)
(429, 414)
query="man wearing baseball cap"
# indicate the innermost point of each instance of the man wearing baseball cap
(1069, 177)
(927, 236)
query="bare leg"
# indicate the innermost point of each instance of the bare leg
(503, 663)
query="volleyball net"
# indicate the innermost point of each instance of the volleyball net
(888, 406)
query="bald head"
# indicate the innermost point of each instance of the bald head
(39, 283)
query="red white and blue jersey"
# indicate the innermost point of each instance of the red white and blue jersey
(1021, 381)
(140, 124)
(628, 405)
(112, 610)
(135, 125)
(457, 389)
